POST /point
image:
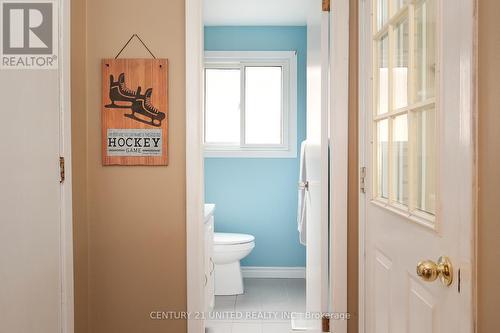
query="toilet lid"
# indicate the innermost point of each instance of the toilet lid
(221, 238)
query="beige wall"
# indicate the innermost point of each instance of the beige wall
(79, 149)
(135, 215)
(489, 166)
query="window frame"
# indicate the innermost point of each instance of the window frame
(287, 60)
(394, 19)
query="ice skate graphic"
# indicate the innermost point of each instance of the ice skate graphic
(142, 105)
(119, 92)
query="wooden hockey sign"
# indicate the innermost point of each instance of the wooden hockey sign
(134, 111)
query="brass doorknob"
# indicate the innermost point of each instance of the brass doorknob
(429, 271)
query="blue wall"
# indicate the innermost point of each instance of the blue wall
(259, 195)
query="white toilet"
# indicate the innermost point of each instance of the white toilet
(229, 249)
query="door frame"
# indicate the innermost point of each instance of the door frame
(66, 215)
(339, 156)
(468, 109)
(363, 101)
(195, 251)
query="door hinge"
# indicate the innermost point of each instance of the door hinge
(61, 169)
(325, 323)
(325, 6)
(362, 177)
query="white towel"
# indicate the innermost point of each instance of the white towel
(302, 202)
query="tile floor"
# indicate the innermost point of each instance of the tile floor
(265, 307)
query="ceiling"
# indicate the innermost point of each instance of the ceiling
(256, 12)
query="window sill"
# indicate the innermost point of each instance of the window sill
(240, 153)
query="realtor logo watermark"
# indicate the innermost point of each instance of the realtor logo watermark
(28, 34)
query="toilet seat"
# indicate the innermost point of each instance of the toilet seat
(221, 238)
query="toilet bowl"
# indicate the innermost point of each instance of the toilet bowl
(229, 249)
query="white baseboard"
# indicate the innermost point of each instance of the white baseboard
(273, 272)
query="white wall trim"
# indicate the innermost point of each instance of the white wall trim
(339, 36)
(66, 246)
(468, 157)
(194, 165)
(273, 272)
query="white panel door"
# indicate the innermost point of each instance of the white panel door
(30, 203)
(418, 151)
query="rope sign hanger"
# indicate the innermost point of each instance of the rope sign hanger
(140, 40)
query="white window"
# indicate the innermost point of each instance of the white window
(250, 104)
(405, 107)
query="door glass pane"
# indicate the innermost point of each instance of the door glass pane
(382, 12)
(398, 4)
(425, 50)
(426, 161)
(263, 99)
(383, 159)
(383, 75)
(222, 106)
(400, 159)
(400, 70)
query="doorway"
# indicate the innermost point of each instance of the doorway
(222, 64)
